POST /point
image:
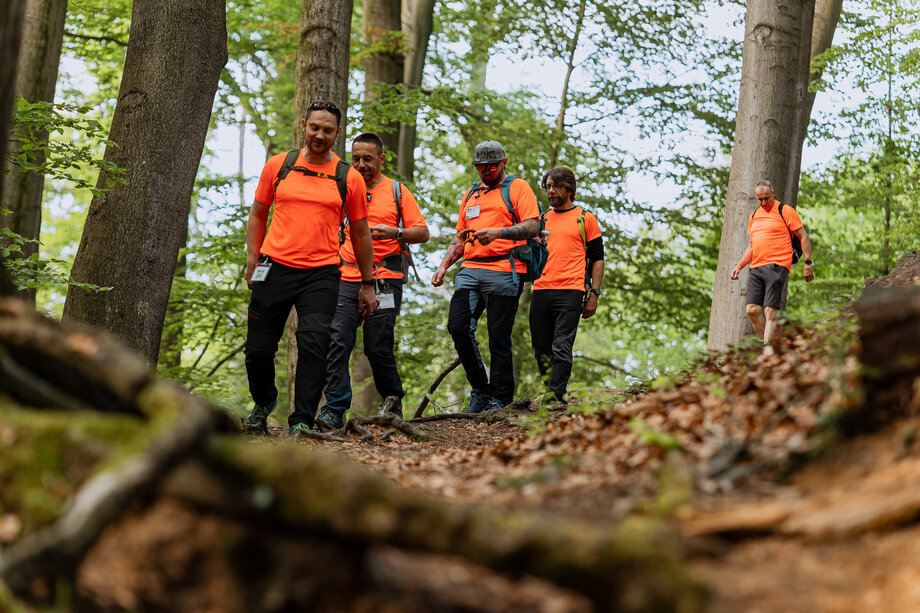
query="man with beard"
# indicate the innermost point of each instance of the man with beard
(487, 231)
(295, 263)
(563, 294)
(395, 221)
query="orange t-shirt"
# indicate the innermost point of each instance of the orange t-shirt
(381, 209)
(565, 267)
(770, 240)
(304, 230)
(493, 213)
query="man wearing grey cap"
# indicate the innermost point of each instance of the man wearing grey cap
(496, 215)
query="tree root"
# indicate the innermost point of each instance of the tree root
(393, 421)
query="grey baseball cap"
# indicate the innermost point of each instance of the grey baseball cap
(488, 152)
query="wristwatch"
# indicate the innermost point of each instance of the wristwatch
(808, 262)
(596, 292)
(399, 233)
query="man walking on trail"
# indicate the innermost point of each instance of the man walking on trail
(564, 294)
(769, 253)
(395, 221)
(487, 231)
(296, 263)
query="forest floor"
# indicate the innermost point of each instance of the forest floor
(743, 462)
(781, 519)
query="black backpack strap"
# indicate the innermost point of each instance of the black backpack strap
(289, 160)
(478, 186)
(341, 181)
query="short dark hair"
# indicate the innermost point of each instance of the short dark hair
(322, 105)
(561, 175)
(371, 139)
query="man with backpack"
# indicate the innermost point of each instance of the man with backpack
(395, 222)
(295, 263)
(776, 232)
(569, 288)
(497, 217)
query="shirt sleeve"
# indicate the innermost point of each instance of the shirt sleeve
(265, 190)
(592, 229)
(792, 219)
(524, 200)
(412, 215)
(356, 196)
(461, 220)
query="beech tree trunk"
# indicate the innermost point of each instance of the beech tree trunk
(322, 74)
(417, 25)
(133, 232)
(385, 65)
(11, 19)
(42, 37)
(776, 37)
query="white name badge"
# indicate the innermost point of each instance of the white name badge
(261, 272)
(387, 301)
(472, 212)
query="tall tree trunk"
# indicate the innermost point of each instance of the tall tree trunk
(385, 65)
(170, 356)
(321, 74)
(42, 38)
(133, 232)
(11, 16)
(824, 24)
(417, 25)
(764, 130)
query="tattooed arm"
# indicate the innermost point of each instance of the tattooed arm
(518, 232)
(454, 253)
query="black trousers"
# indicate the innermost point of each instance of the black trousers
(378, 347)
(313, 292)
(466, 307)
(554, 317)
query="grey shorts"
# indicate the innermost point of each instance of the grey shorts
(765, 285)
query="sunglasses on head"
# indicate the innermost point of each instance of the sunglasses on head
(324, 106)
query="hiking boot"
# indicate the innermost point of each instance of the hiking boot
(257, 421)
(329, 419)
(392, 407)
(478, 402)
(298, 428)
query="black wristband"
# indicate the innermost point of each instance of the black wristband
(363, 282)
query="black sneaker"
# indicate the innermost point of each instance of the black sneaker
(257, 421)
(329, 419)
(478, 402)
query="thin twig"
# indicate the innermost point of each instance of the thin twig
(434, 386)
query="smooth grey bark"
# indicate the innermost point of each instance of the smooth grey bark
(133, 232)
(384, 66)
(39, 56)
(322, 74)
(417, 26)
(765, 127)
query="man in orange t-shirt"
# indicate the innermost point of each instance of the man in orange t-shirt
(391, 228)
(486, 234)
(770, 255)
(295, 263)
(575, 246)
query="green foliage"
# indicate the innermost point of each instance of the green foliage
(651, 436)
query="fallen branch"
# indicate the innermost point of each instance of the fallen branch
(393, 421)
(431, 388)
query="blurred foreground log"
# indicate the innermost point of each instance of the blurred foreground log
(890, 335)
(129, 441)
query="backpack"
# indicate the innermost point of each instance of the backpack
(340, 178)
(533, 254)
(405, 255)
(796, 241)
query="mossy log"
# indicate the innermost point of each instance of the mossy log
(128, 454)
